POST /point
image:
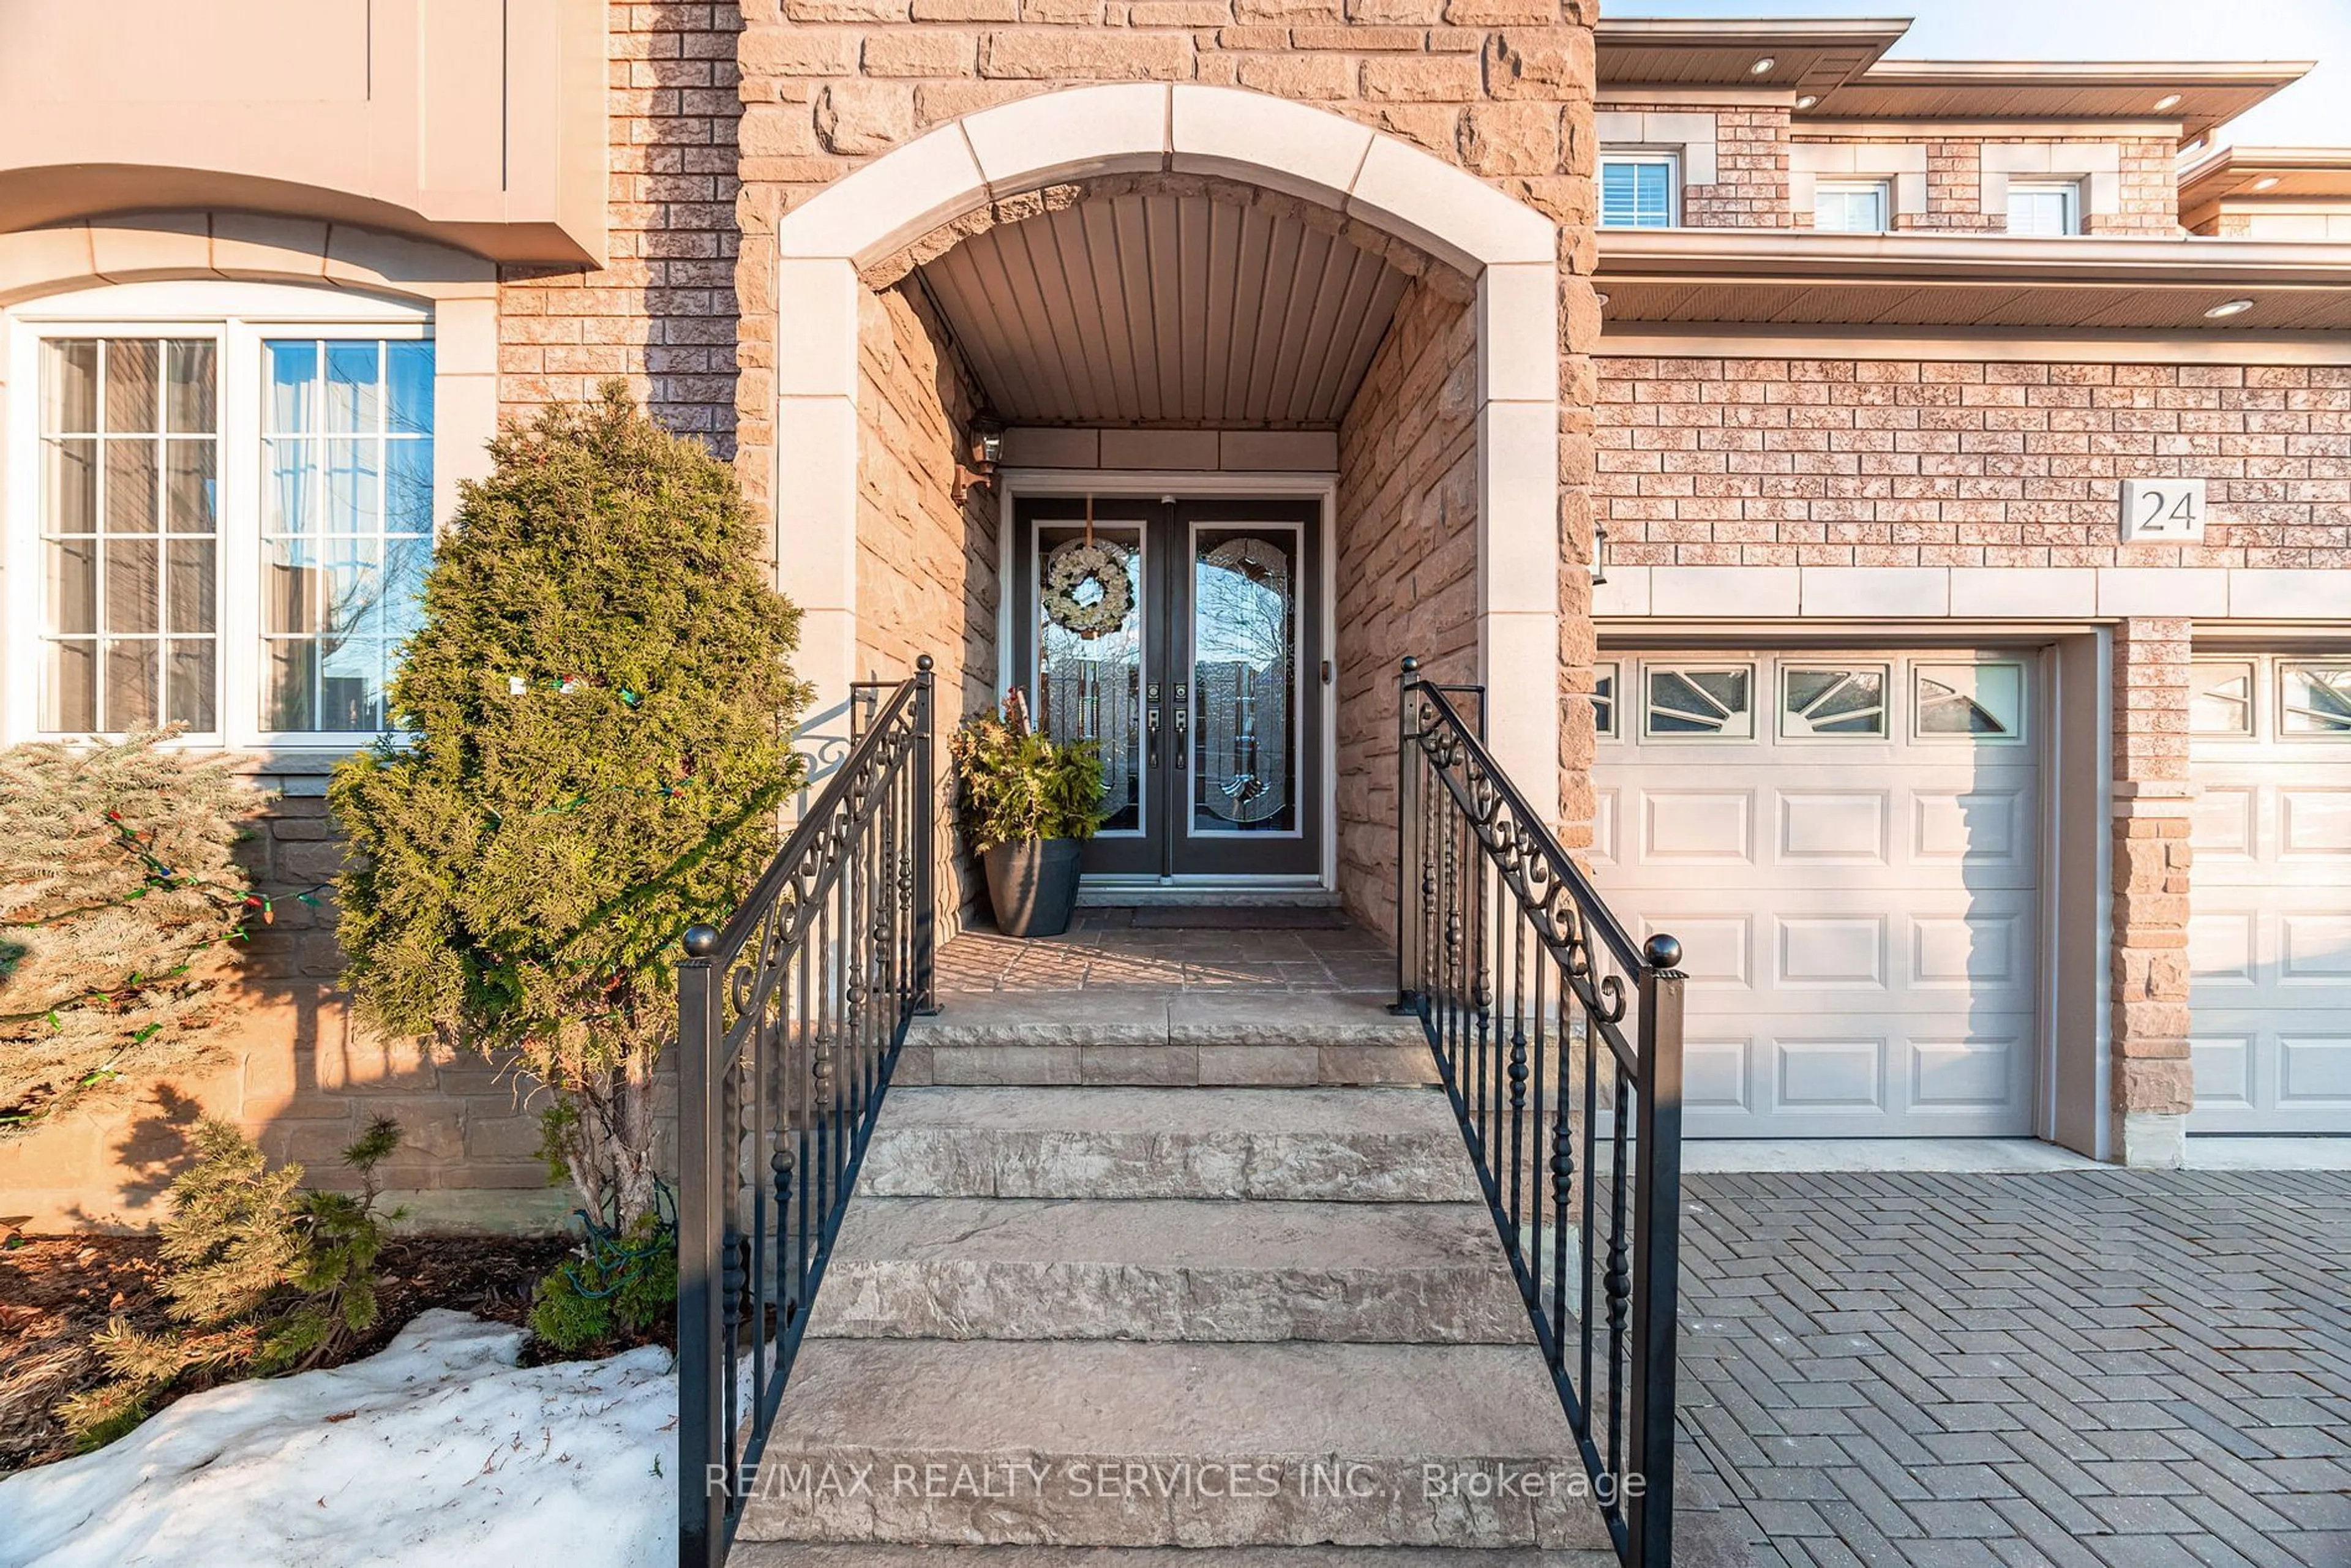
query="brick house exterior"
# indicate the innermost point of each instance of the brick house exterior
(790, 225)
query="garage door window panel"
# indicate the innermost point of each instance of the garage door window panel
(1981, 702)
(2223, 702)
(1604, 701)
(1833, 702)
(2314, 701)
(1699, 702)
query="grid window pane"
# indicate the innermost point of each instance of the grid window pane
(192, 388)
(130, 371)
(1636, 193)
(69, 386)
(347, 521)
(129, 519)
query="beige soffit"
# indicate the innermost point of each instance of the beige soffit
(1166, 309)
(2210, 92)
(1807, 55)
(2294, 174)
(480, 126)
(1841, 65)
(1797, 278)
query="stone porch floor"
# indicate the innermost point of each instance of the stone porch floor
(1122, 1001)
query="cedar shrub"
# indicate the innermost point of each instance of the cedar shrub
(599, 713)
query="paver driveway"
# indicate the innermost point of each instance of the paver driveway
(2114, 1369)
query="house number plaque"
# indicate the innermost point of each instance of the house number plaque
(2163, 511)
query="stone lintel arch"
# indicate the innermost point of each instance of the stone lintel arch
(1509, 249)
(194, 244)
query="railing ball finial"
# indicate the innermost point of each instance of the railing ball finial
(701, 941)
(1411, 663)
(1661, 952)
(925, 664)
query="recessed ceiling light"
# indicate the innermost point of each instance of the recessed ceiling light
(2266, 182)
(1762, 67)
(2230, 308)
(1806, 101)
(2168, 101)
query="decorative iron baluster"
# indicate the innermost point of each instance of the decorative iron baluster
(1497, 927)
(790, 1024)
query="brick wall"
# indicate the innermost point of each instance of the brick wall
(1497, 87)
(2152, 865)
(1408, 565)
(926, 567)
(1749, 189)
(661, 313)
(1902, 463)
(295, 1075)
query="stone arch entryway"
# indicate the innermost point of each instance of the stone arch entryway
(1476, 332)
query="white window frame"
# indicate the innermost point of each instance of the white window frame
(1753, 735)
(2203, 674)
(1786, 667)
(1880, 190)
(2018, 733)
(1613, 672)
(2068, 191)
(236, 317)
(1647, 157)
(2282, 709)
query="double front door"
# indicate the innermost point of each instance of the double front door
(1183, 638)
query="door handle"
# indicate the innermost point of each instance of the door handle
(1183, 718)
(1150, 725)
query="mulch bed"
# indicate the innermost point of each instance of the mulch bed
(55, 1291)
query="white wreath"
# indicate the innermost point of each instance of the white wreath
(1070, 569)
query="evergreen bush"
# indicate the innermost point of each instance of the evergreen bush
(1019, 787)
(599, 711)
(263, 1276)
(120, 906)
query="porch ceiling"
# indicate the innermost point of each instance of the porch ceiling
(1166, 309)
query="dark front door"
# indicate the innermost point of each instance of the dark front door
(1184, 639)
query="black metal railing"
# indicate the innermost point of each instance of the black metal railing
(789, 1022)
(1559, 1042)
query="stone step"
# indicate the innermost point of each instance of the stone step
(1027, 1269)
(1094, 1443)
(1350, 1146)
(1156, 1037)
(813, 1555)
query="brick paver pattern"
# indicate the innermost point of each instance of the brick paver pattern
(2105, 1369)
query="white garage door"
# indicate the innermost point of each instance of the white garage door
(1847, 845)
(2269, 922)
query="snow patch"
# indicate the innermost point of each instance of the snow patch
(436, 1449)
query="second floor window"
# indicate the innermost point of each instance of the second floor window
(1639, 191)
(1856, 207)
(2045, 209)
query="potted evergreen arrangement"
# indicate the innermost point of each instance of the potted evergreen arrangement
(1025, 804)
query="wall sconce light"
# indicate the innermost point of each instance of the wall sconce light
(1599, 553)
(976, 469)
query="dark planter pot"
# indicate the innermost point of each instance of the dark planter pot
(1033, 886)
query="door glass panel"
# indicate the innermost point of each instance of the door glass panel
(1244, 670)
(1090, 654)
